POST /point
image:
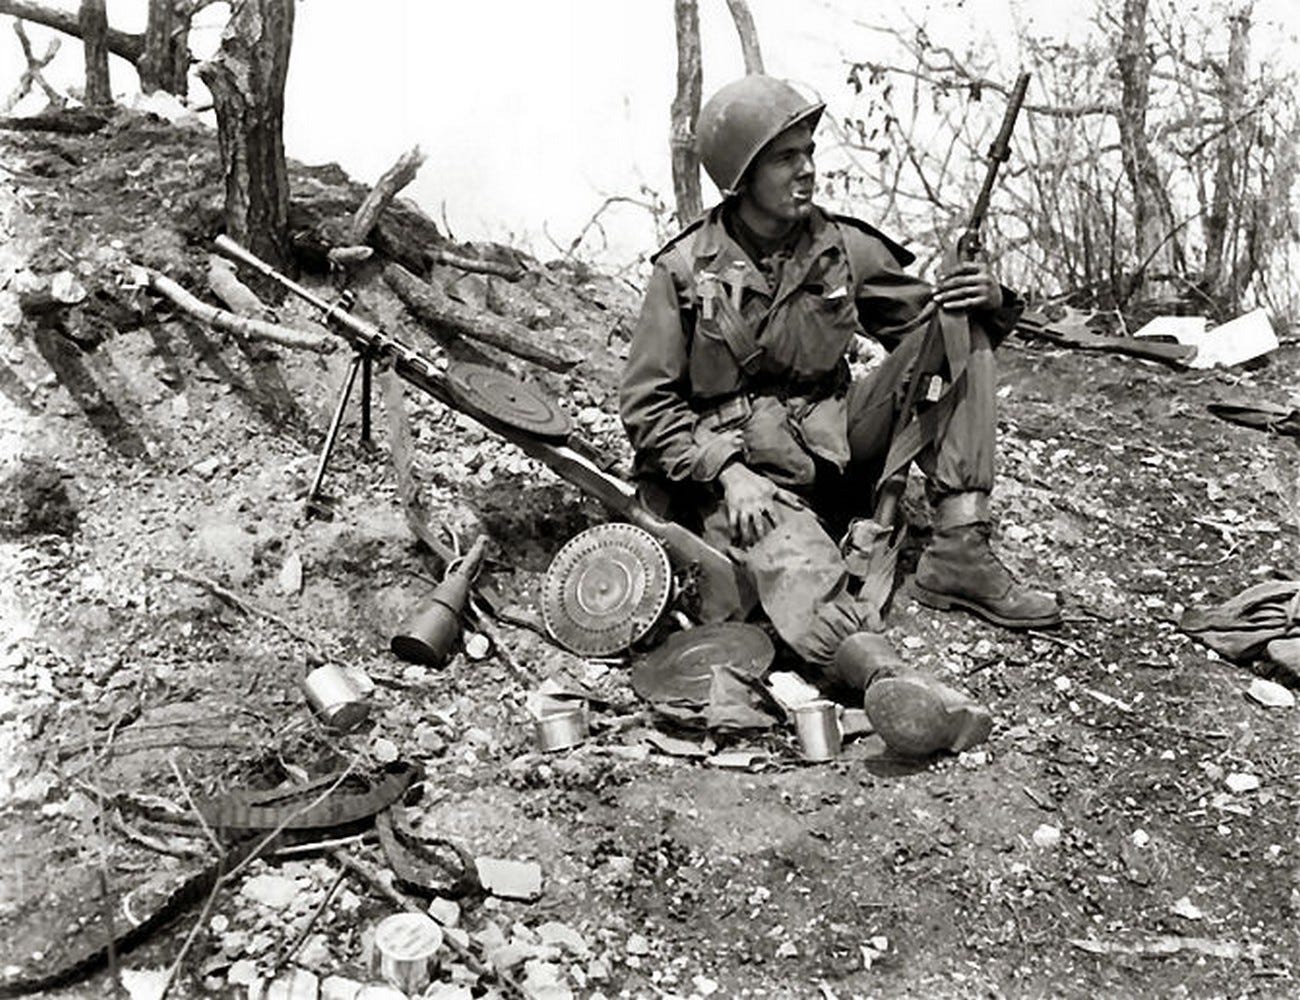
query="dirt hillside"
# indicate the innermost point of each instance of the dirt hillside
(1103, 843)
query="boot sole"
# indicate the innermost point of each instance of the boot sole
(950, 602)
(913, 719)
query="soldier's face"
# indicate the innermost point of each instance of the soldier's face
(780, 185)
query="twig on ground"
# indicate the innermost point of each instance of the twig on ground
(189, 938)
(153, 843)
(502, 651)
(106, 907)
(356, 840)
(315, 916)
(1073, 647)
(510, 272)
(185, 790)
(245, 605)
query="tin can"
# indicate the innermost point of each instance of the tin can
(406, 946)
(335, 697)
(561, 730)
(818, 730)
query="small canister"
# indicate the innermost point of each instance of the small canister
(336, 697)
(818, 729)
(561, 730)
(406, 947)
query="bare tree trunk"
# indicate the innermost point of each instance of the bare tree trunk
(155, 62)
(1153, 222)
(1229, 155)
(685, 111)
(165, 64)
(93, 19)
(748, 36)
(120, 43)
(246, 78)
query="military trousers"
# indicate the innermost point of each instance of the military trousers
(798, 567)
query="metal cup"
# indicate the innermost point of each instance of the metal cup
(335, 696)
(406, 945)
(818, 730)
(561, 730)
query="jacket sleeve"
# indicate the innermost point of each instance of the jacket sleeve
(654, 398)
(893, 303)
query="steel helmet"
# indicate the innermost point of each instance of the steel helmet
(743, 117)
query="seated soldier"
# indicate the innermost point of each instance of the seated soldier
(738, 402)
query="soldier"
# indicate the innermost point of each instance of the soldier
(746, 425)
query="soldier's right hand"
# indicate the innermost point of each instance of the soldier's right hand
(751, 501)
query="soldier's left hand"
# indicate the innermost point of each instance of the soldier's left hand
(969, 286)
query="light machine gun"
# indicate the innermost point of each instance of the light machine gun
(723, 592)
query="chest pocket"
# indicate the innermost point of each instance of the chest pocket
(811, 330)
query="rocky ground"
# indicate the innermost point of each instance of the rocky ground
(1129, 830)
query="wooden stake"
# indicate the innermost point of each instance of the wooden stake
(394, 179)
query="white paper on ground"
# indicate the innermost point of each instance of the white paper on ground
(1231, 343)
(1183, 329)
(1236, 341)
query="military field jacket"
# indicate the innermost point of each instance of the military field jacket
(730, 360)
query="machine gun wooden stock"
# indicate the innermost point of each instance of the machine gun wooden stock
(723, 592)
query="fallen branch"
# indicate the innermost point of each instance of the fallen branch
(130, 47)
(68, 122)
(32, 74)
(153, 843)
(245, 605)
(1169, 944)
(394, 179)
(433, 306)
(239, 325)
(238, 297)
(500, 269)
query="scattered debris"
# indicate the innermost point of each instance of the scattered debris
(1239, 782)
(1171, 945)
(1270, 694)
(510, 879)
(1186, 909)
(1047, 836)
(290, 579)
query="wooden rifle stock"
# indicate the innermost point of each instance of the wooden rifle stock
(723, 591)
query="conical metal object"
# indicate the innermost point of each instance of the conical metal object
(428, 636)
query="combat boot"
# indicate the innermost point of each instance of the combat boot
(915, 715)
(959, 570)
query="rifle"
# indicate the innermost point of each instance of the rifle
(724, 593)
(970, 244)
(948, 336)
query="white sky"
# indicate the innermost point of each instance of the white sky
(532, 111)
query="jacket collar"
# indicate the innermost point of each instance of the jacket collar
(715, 251)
